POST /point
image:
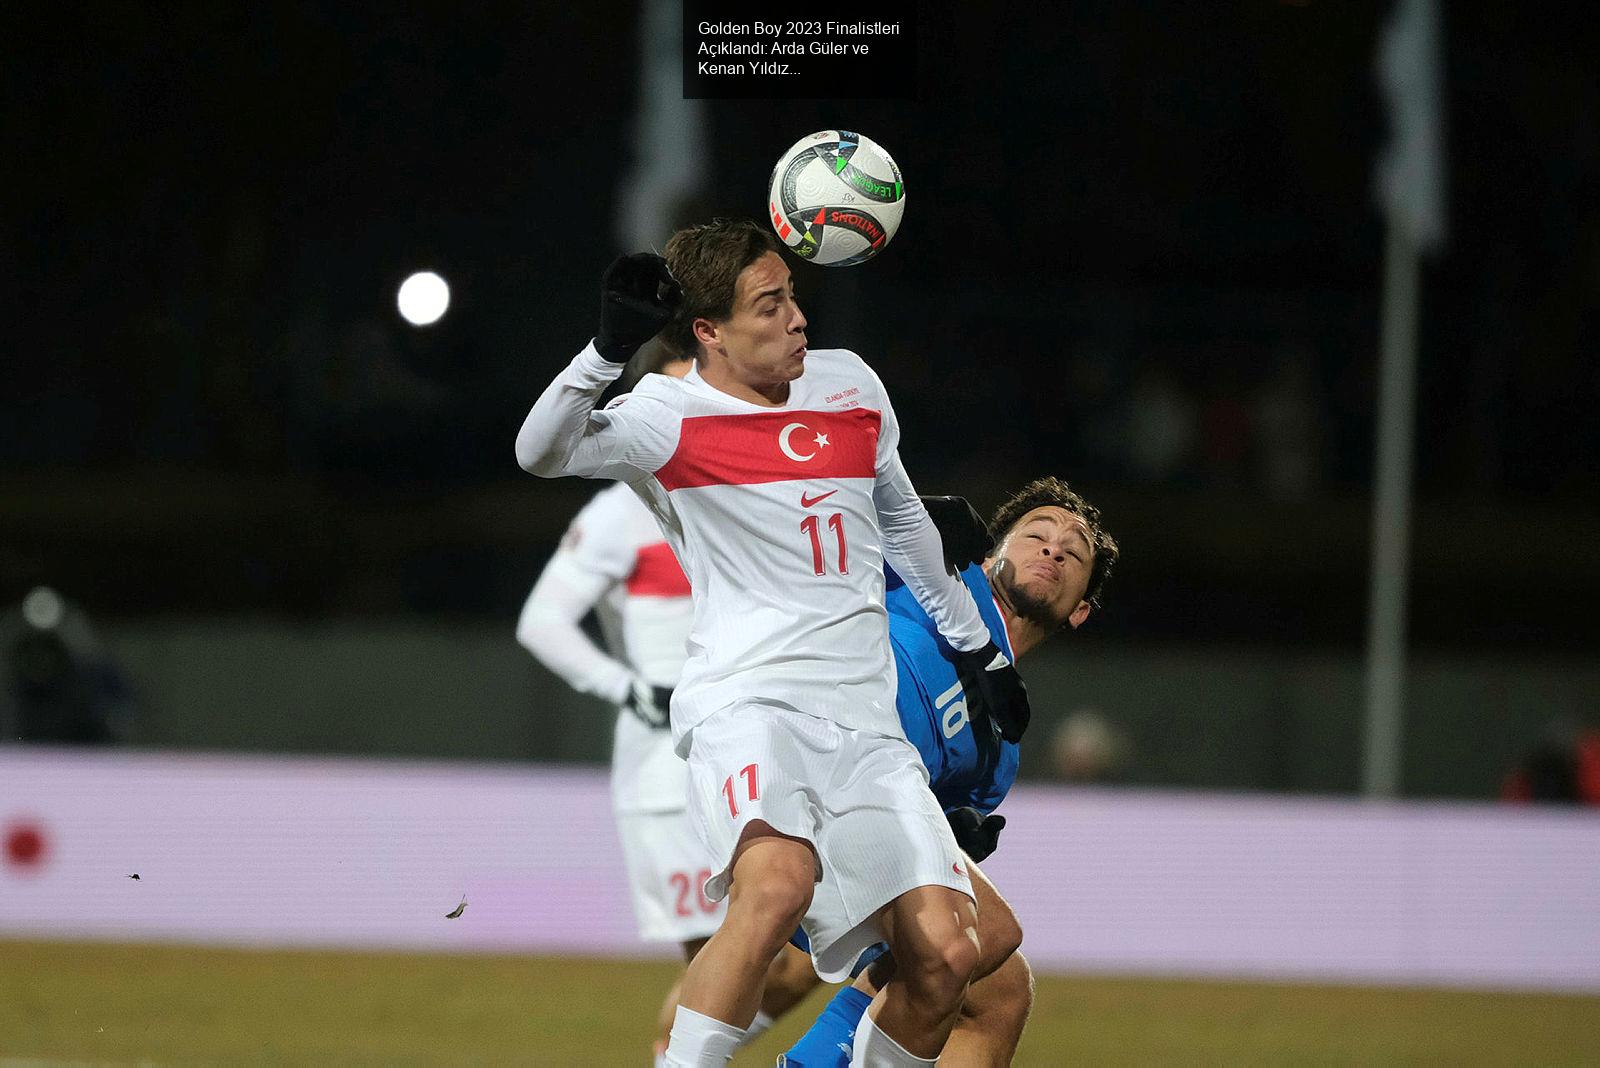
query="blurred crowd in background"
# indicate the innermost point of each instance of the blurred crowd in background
(1177, 266)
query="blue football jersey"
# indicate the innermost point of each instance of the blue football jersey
(933, 708)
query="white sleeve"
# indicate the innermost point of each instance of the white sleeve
(564, 435)
(592, 559)
(912, 546)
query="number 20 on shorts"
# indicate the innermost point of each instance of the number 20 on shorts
(752, 785)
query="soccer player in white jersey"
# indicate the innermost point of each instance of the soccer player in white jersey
(614, 561)
(775, 473)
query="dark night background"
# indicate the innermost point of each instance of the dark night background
(1141, 251)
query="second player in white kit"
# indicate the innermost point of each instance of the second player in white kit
(614, 561)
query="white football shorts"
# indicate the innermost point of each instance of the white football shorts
(861, 799)
(667, 871)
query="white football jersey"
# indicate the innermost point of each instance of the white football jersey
(782, 518)
(614, 560)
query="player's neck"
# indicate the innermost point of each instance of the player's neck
(769, 395)
(1023, 633)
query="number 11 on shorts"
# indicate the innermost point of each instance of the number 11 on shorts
(748, 774)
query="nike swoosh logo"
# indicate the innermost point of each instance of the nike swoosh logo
(807, 502)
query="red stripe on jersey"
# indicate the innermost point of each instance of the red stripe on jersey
(782, 446)
(657, 573)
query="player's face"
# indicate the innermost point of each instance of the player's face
(764, 339)
(1043, 566)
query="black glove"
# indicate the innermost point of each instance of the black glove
(964, 533)
(977, 835)
(638, 297)
(996, 696)
(650, 704)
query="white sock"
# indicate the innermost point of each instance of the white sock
(757, 1027)
(874, 1049)
(698, 1041)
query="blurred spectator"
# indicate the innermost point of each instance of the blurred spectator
(1225, 428)
(1089, 409)
(1162, 426)
(1086, 748)
(1562, 769)
(56, 682)
(1288, 427)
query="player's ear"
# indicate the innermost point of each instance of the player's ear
(1079, 614)
(705, 331)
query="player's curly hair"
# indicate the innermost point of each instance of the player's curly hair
(706, 261)
(1042, 492)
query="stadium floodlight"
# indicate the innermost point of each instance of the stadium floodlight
(423, 298)
(43, 608)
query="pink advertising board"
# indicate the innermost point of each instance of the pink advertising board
(238, 850)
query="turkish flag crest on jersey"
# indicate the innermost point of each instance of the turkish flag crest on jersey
(782, 446)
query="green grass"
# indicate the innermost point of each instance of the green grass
(111, 1003)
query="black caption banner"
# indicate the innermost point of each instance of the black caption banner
(807, 50)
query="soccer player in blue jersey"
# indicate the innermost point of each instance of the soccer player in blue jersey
(1045, 572)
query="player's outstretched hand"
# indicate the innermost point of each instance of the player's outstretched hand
(638, 297)
(650, 704)
(964, 533)
(977, 835)
(995, 692)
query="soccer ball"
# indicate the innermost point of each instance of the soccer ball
(836, 198)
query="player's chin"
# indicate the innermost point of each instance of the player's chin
(1041, 591)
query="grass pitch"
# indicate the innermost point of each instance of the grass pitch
(165, 1004)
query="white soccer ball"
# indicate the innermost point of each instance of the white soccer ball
(836, 198)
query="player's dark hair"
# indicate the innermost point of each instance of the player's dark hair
(706, 261)
(1051, 491)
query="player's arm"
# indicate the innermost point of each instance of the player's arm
(549, 629)
(571, 584)
(912, 546)
(563, 434)
(996, 698)
(988, 790)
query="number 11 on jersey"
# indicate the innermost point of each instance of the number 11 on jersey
(748, 774)
(836, 524)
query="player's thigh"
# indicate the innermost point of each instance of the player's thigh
(752, 774)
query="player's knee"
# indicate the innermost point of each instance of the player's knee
(778, 895)
(962, 954)
(942, 974)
